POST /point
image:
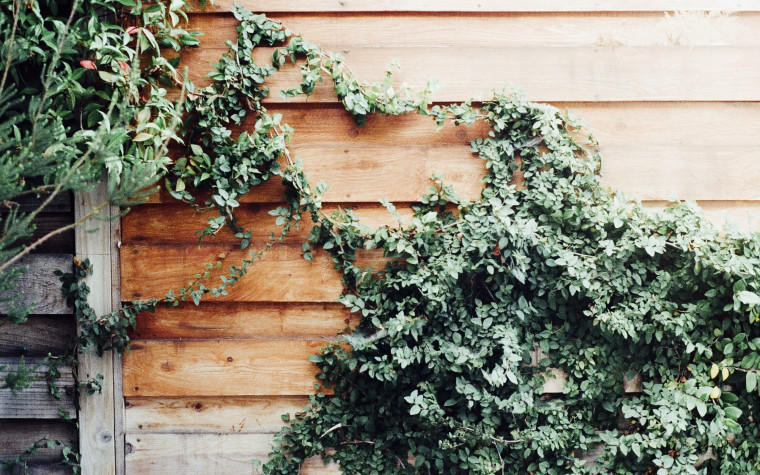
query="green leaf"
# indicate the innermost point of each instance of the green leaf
(749, 298)
(751, 381)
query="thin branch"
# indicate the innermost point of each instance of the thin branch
(44, 238)
(10, 45)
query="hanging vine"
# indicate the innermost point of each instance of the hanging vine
(479, 300)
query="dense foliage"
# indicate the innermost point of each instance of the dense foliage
(480, 300)
(445, 371)
(77, 109)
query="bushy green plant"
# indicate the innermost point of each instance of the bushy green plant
(73, 111)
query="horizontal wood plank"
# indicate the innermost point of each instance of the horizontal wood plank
(202, 454)
(699, 73)
(282, 275)
(360, 30)
(220, 368)
(16, 435)
(177, 223)
(402, 174)
(613, 124)
(35, 401)
(40, 335)
(61, 203)
(479, 6)
(743, 214)
(245, 320)
(213, 415)
(40, 286)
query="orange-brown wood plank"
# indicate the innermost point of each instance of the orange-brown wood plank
(245, 320)
(479, 6)
(203, 454)
(614, 123)
(177, 223)
(482, 30)
(699, 73)
(283, 275)
(215, 415)
(220, 368)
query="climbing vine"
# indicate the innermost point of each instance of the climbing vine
(481, 302)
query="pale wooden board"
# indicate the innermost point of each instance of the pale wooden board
(245, 320)
(281, 276)
(202, 454)
(361, 30)
(40, 335)
(743, 214)
(697, 173)
(35, 402)
(97, 411)
(479, 6)
(220, 368)
(210, 415)
(699, 73)
(40, 286)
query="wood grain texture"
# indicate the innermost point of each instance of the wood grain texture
(97, 411)
(613, 124)
(176, 223)
(281, 276)
(40, 286)
(61, 203)
(16, 435)
(480, 6)
(245, 320)
(203, 454)
(117, 389)
(212, 415)
(699, 73)
(220, 368)
(40, 335)
(62, 243)
(35, 402)
(481, 30)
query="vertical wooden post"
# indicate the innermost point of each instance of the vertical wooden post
(97, 432)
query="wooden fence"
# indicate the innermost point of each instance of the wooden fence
(673, 99)
(33, 413)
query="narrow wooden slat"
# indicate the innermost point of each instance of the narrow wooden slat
(96, 411)
(40, 335)
(202, 454)
(699, 73)
(213, 415)
(62, 243)
(479, 6)
(36, 401)
(245, 320)
(16, 435)
(117, 388)
(61, 203)
(40, 286)
(281, 276)
(220, 368)
(481, 30)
